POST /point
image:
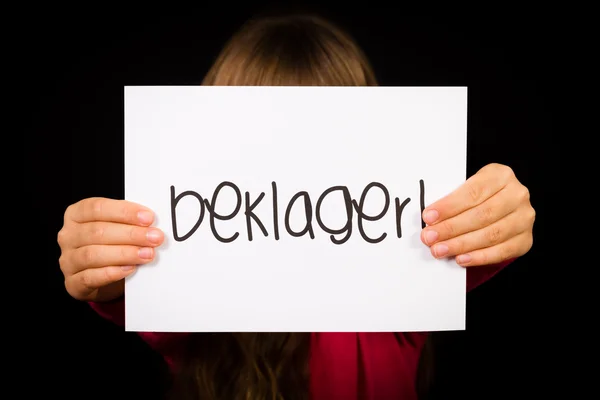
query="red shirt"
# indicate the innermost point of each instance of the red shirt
(347, 366)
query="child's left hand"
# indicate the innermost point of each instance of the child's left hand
(487, 220)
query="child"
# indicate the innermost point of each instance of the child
(484, 224)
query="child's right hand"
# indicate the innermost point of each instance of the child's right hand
(102, 241)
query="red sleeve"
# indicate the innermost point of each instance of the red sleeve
(169, 345)
(114, 311)
(478, 275)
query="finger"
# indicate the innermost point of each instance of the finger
(512, 248)
(110, 233)
(85, 283)
(96, 256)
(491, 235)
(109, 210)
(495, 208)
(484, 184)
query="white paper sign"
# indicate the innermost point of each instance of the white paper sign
(234, 173)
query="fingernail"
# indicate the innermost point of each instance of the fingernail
(154, 236)
(431, 237)
(146, 253)
(440, 250)
(127, 267)
(463, 259)
(145, 217)
(430, 216)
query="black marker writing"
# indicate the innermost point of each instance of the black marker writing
(174, 201)
(308, 212)
(338, 235)
(422, 194)
(361, 215)
(251, 216)
(348, 205)
(275, 211)
(399, 209)
(211, 206)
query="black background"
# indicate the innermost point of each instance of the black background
(78, 62)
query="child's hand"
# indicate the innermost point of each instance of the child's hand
(488, 220)
(102, 241)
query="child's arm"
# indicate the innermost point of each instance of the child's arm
(169, 345)
(478, 275)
